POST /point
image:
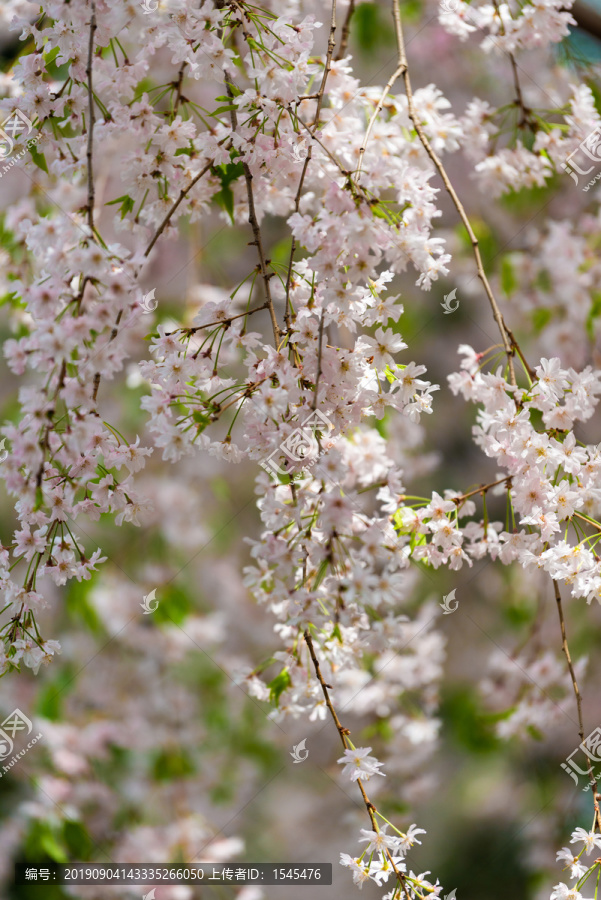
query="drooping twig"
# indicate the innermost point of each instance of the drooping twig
(311, 129)
(89, 151)
(183, 193)
(343, 732)
(578, 695)
(319, 352)
(254, 222)
(346, 30)
(258, 242)
(326, 71)
(387, 88)
(508, 345)
(227, 321)
(112, 336)
(482, 489)
(519, 99)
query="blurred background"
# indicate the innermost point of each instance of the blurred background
(152, 750)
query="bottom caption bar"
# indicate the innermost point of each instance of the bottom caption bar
(194, 873)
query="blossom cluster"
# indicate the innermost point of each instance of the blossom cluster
(551, 479)
(298, 367)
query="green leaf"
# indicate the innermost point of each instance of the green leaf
(543, 281)
(321, 573)
(80, 608)
(226, 174)
(370, 27)
(49, 701)
(508, 278)
(44, 840)
(278, 685)
(486, 239)
(380, 212)
(51, 56)
(280, 252)
(541, 317)
(468, 724)
(221, 109)
(7, 238)
(412, 10)
(520, 201)
(173, 763)
(381, 728)
(38, 158)
(78, 840)
(229, 172)
(174, 607)
(594, 313)
(225, 199)
(390, 374)
(222, 793)
(596, 92)
(535, 733)
(54, 848)
(127, 204)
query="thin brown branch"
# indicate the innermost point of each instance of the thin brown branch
(312, 129)
(588, 521)
(254, 222)
(314, 137)
(113, 335)
(346, 30)
(178, 87)
(413, 115)
(481, 490)
(319, 353)
(227, 321)
(525, 117)
(89, 151)
(578, 695)
(183, 193)
(258, 242)
(400, 69)
(297, 199)
(326, 71)
(343, 732)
